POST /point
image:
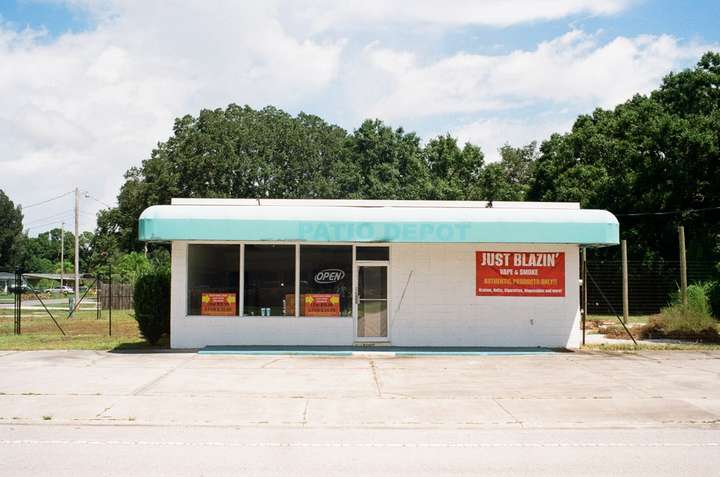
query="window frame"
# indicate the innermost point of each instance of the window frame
(241, 286)
(352, 278)
(187, 280)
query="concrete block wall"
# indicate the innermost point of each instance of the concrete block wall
(439, 306)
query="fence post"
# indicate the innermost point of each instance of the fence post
(98, 293)
(626, 301)
(110, 297)
(584, 292)
(18, 301)
(683, 266)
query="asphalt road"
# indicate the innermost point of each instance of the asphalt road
(91, 413)
(180, 451)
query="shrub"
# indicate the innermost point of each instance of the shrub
(151, 301)
(692, 322)
(713, 292)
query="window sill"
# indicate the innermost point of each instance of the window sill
(272, 317)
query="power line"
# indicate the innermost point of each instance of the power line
(669, 212)
(88, 196)
(44, 225)
(59, 214)
(45, 201)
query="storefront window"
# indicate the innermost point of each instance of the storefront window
(269, 280)
(213, 279)
(325, 280)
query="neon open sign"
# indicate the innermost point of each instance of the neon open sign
(329, 275)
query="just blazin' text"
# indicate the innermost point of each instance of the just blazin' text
(522, 259)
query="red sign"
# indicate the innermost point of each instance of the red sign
(218, 304)
(520, 273)
(321, 304)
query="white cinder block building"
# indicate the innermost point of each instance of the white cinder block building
(406, 273)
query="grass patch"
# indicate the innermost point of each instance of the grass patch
(692, 322)
(609, 319)
(83, 331)
(652, 347)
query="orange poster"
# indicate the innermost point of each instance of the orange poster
(321, 304)
(520, 274)
(218, 304)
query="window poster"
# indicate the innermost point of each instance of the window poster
(321, 304)
(218, 304)
(540, 274)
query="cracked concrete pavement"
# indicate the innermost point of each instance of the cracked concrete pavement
(48, 397)
(555, 390)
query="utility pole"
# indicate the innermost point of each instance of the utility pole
(584, 292)
(626, 301)
(77, 245)
(683, 266)
(62, 253)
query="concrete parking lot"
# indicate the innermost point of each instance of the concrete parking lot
(561, 412)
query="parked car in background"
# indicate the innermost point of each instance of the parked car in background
(63, 289)
(24, 288)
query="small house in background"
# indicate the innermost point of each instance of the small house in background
(7, 282)
(406, 273)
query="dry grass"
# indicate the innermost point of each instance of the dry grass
(83, 331)
(652, 347)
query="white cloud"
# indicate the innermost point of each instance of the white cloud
(329, 14)
(575, 68)
(82, 108)
(492, 133)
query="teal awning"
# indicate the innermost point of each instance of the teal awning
(382, 223)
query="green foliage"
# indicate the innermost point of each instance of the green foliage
(10, 230)
(44, 284)
(658, 152)
(68, 267)
(151, 303)
(37, 264)
(232, 152)
(455, 173)
(42, 253)
(713, 294)
(160, 259)
(652, 153)
(689, 322)
(267, 153)
(381, 163)
(132, 266)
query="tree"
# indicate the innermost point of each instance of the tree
(11, 218)
(232, 152)
(132, 266)
(381, 163)
(511, 178)
(656, 153)
(455, 173)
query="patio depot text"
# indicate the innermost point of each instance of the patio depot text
(520, 274)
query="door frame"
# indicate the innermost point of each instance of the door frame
(356, 299)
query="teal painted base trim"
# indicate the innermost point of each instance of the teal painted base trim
(380, 350)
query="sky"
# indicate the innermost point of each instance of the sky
(89, 87)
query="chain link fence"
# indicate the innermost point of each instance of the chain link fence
(650, 286)
(36, 303)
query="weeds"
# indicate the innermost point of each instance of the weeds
(693, 322)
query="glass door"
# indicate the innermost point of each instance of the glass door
(372, 302)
